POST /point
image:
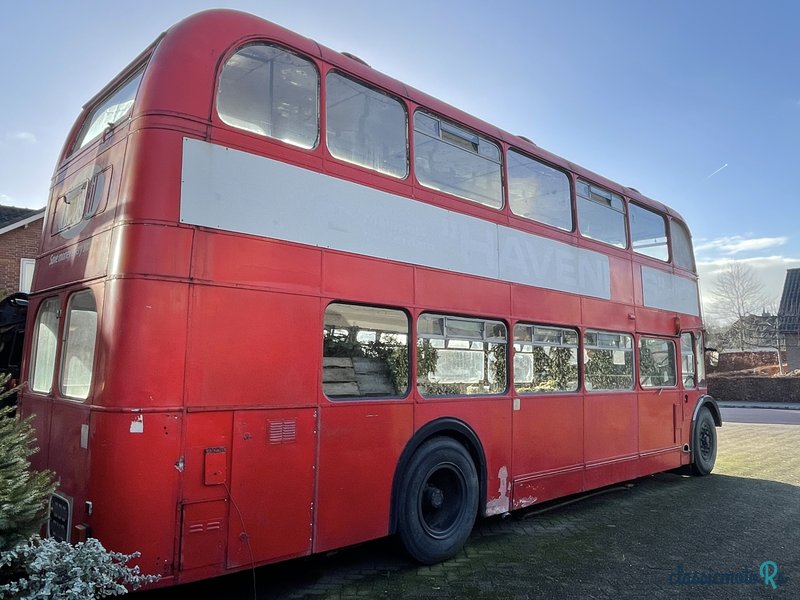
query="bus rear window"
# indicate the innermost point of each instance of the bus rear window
(45, 340)
(110, 111)
(79, 346)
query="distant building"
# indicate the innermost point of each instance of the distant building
(789, 318)
(20, 232)
(751, 333)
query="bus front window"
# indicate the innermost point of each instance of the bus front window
(110, 111)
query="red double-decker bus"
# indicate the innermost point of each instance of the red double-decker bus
(286, 304)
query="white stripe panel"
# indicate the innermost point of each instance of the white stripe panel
(669, 292)
(236, 191)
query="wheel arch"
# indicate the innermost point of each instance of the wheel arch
(444, 427)
(713, 408)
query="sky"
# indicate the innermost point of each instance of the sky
(695, 104)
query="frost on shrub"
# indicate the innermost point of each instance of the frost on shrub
(46, 568)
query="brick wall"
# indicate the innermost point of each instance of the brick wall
(22, 242)
(754, 389)
(739, 361)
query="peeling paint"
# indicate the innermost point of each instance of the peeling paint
(525, 502)
(137, 425)
(180, 464)
(500, 505)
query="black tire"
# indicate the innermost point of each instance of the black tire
(438, 501)
(704, 443)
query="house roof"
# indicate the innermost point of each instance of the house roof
(12, 217)
(789, 311)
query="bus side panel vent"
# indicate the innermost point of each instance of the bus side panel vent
(282, 432)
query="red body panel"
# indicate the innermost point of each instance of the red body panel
(272, 485)
(359, 448)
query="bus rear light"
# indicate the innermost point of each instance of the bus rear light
(59, 521)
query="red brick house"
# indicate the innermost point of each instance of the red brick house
(20, 230)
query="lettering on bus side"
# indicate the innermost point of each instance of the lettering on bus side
(532, 260)
(332, 213)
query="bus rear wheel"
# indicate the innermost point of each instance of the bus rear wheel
(438, 501)
(704, 441)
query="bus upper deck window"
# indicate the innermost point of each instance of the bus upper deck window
(648, 233)
(682, 254)
(270, 91)
(110, 111)
(455, 160)
(366, 127)
(601, 215)
(538, 192)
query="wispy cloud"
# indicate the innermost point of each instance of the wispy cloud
(732, 245)
(22, 136)
(5, 199)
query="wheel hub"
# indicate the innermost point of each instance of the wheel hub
(705, 440)
(434, 497)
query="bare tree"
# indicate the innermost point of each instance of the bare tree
(738, 293)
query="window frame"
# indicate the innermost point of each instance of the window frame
(633, 206)
(27, 267)
(700, 360)
(629, 351)
(376, 90)
(81, 141)
(686, 236)
(36, 348)
(533, 327)
(367, 397)
(485, 338)
(260, 134)
(642, 376)
(63, 370)
(511, 204)
(691, 352)
(581, 199)
(456, 131)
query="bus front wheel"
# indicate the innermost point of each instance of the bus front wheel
(438, 501)
(704, 440)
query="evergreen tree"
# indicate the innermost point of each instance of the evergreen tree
(23, 492)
